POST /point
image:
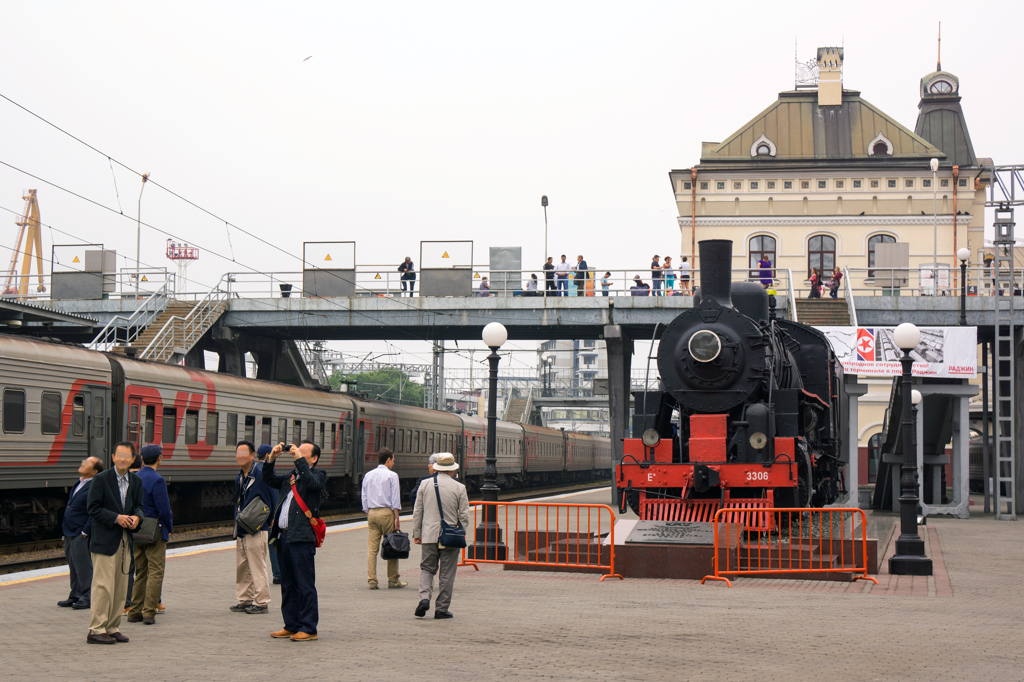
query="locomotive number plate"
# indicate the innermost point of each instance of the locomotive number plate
(757, 476)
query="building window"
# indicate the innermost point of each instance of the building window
(891, 184)
(704, 185)
(687, 185)
(822, 184)
(857, 184)
(821, 254)
(874, 454)
(944, 182)
(761, 246)
(926, 183)
(788, 184)
(737, 185)
(764, 150)
(771, 184)
(880, 149)
(720, 184)
(874, 184)
(874, 241)
(840, 184)
(753, 184)
(962, 182)
(805, 184)
(909, 184)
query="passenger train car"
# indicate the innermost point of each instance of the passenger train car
(63, 403)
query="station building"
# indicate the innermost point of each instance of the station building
(821, 177)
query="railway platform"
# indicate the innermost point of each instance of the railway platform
(960, 624)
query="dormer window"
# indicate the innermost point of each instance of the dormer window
(880, 149)
(762, 147)
(940, 87)
(764, 150)
(880, 146)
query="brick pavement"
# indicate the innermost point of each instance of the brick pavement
(529, 626)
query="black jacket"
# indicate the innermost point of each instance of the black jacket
(105, 505)
(310, 483)
(76, 513)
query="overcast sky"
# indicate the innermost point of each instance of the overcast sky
(415, 121)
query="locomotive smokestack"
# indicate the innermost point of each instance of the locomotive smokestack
(716, 270)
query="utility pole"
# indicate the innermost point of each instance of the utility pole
(544, 203)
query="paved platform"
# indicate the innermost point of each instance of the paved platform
(529, 626)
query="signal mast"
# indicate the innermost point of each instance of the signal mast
(182, 254)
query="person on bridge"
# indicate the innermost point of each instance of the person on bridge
(581, 276)
(605, 283)
(684, 276)
(485, 288)
(670, 275)
(408, 276)
(765, 271)
(151, 559)
(562, 275)
(639, 288)
(656, 274)
(835, 282)
(531, 286)
(382, 503)
(252, 580)
(549, 277)
(76, 527)
(438, 496)
(815, 280)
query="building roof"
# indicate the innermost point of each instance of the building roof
(941, 120)
(800, 132)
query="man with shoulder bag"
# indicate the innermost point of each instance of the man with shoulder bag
(252, 516)
(441, 503)
(297, 531)
(151, 539)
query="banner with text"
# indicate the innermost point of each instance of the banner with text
(871, 351)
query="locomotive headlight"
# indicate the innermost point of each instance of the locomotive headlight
(704, 346)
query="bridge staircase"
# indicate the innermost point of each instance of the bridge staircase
(122, 331)
(181, 332)
(823, 312)
(518, 408)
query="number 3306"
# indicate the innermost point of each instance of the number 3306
(757, 475)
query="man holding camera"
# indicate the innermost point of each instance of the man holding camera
(295, 539)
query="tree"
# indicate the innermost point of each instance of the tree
(389, 385)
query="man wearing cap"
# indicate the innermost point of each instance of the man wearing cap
(252, 583)
(150, 560)
(426, 527)
(261, 454)
(382, 503)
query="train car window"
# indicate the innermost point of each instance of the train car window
(191, 427)
(320, 442)
(150, 422)
(473, 446)
(391, 437)
(408, 440)
(445, 437)
(341, 437)
(415, 436)
(334, 436)
(99, 421)
(212, 428)
(296, 431)
(168, 432)
(133, 423)
(49, 413)
(265, 436)
(231, 437)
(430, 446)
(309, 431)
(282, 432)
(250, 427)
(14, 411)
(401, 440)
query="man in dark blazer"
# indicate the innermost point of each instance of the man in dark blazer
(115, 505)
(295, 539)
(75, 528)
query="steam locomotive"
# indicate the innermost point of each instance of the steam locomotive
(748, 412)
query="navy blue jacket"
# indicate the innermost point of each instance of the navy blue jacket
(310, 482)
(155, 501)
(76, 512)
(255, 487)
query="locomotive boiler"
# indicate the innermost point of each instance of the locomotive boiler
(747, 415)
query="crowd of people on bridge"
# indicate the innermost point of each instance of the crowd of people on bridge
(118, 521)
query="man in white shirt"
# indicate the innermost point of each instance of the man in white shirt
(562, 271)
(382, 503)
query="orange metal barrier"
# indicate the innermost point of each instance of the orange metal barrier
(800, 541)
(547, 534)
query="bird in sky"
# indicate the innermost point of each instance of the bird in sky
(308, 58)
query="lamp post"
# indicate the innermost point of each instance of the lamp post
(488, 543)
(544, 203)
(963, 255)
(934, 164)
(138, 232)
(910, 558)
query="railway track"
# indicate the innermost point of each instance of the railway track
(8, 567)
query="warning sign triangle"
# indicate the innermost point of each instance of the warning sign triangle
(76, 260)
(445, 255)
(328, 257)
(378, 276)
(144, 279)
(476, 275)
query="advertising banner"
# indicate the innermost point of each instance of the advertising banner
(871, 351)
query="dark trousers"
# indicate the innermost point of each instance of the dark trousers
(549, 285)
(411, 282)
(76, 551)
(274, 567)
(298, 585)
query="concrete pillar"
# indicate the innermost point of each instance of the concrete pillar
(620, 359)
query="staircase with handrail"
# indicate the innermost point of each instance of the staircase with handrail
(122, 330)
(180, 334)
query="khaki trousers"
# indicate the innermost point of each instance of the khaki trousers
(109, 588)
(380, 521)
(149, 578)
(252, 582)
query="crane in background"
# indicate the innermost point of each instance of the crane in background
(29, 231)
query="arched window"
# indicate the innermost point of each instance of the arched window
(874, 455)
(763, 149)
(874, 241)
(759, 247)
(821, 254)
(880, 149)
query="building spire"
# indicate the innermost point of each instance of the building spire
(938, 61)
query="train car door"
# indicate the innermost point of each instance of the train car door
(135, 426)
(98, 421)
(357, 463)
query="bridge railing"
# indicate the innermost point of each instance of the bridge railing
(152, 281)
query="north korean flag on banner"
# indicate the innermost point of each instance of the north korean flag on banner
(865, 344)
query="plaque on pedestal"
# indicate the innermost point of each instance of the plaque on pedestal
(672, 533)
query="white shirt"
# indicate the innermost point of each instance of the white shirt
(563, 267)
(78, 487)
(282, 520)
(684, 267)
(381, 489)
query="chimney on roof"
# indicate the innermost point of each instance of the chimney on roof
(830, 76)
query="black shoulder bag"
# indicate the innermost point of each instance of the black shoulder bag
(395, 546)
(451, 536)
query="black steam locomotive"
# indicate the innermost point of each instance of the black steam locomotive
(748, 415)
